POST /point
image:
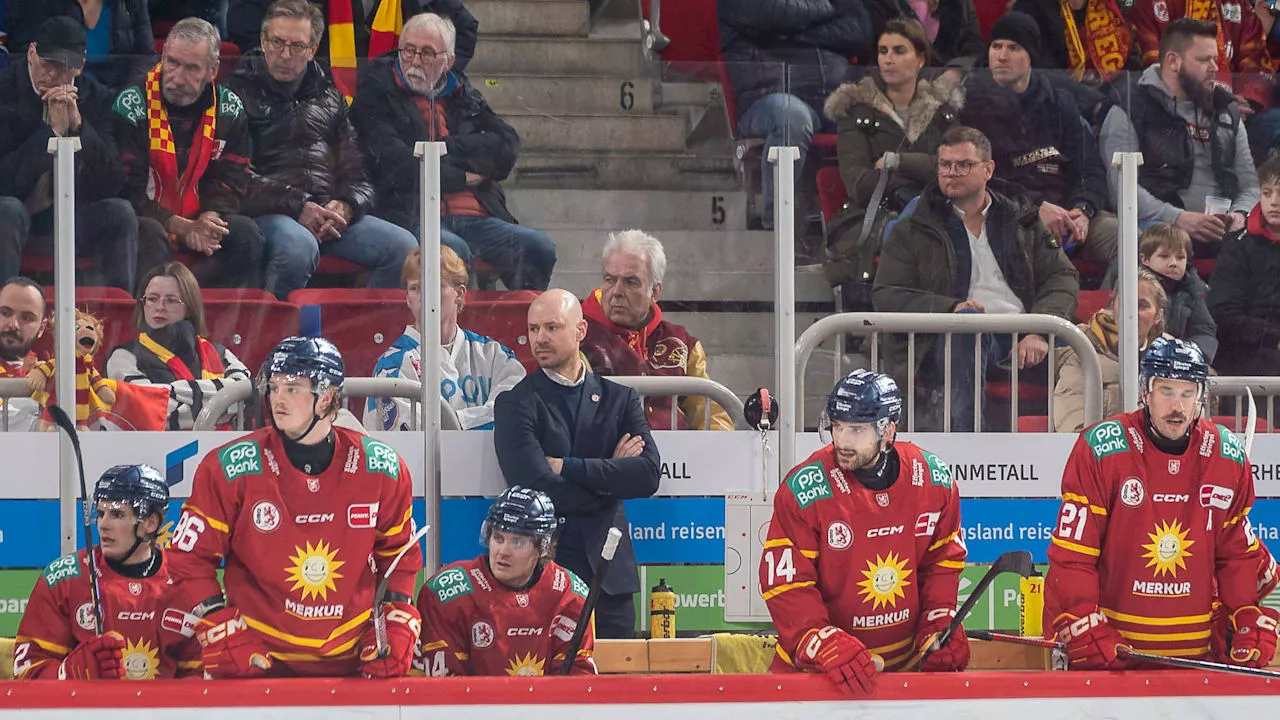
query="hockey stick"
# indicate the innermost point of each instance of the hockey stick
(379, 621)
(1253, 421)
(1190, 664)
(991, 636)
(61, 420)
(593, 594)
(1014, 561)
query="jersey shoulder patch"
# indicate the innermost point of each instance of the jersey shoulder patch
(229, 104)
(241, 458)
(1107, 438)
(939, 470)
(576, 584)
(810, 484)
(451, 584)
(67, 566)
(131, 105)
(1229, 445)
(379, 457)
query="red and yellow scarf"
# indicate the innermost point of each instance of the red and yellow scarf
(211, 363)
(1209, 11)
(342, 47)
(1107, 34)
(178, 194)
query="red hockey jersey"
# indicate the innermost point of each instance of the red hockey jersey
(303, 554)
(871, 563)
(1145, 536)
(474, 625)
(159, 640)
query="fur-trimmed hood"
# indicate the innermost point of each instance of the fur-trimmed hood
(929, 97)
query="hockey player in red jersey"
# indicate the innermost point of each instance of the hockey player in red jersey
(305, 517)
(511, 611)
(1154, 516)
(865, 548)
(144, 638)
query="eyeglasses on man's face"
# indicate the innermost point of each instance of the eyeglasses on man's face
(960, 168)
(279, 45)
(424, 55)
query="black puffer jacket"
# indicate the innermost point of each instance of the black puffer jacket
(132, 46)
(304, 147)
(814, 39)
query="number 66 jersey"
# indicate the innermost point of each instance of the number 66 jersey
(1146, 537)
(872, 563)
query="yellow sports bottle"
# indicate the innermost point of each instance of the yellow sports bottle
(662, 611)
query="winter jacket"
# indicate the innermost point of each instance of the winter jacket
(388, 125)
(1187, 316)
(1245, 301)
(925, 264)
(959, 33)
(304, 147)
(1038, 141)
(868, 127)
(133, 49)
(1177, 173)
(1068, 391)
(24, 141)
(802, 47)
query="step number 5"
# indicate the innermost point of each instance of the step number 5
(784, 567)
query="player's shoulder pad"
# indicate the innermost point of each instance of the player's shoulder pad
(240, 458)
(229, 104)
(67, 566)
(131, 105)
(380, 457)
(939, 470)
(1229, 446)
(1107, 438)
(576, 584)
(450, 584)
(809, 484)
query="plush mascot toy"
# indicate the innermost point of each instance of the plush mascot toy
(94, 393)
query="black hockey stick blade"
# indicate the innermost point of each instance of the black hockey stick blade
(991, 636)
(62, 420)
(593, 594)
(1190, 664)
(1014, 561)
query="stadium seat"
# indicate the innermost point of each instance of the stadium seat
(1033, 423)
(831, 192)
(361, 323)
(1204, 268)
(1091, 301)
(1229, 422)
(250, 328)
(1089, 269)
(505, 320)
(85, 293)
(693, 29)
(115, 312)
(229, 294)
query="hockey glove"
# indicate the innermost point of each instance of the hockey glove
(1253, 636)
(841, 656)
(228, 648)
(953, 656)
(101, 658)
(404, 625)
(1091, 641)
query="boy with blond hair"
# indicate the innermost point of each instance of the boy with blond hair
(1166, 251)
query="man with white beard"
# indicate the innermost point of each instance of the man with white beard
(412, 95)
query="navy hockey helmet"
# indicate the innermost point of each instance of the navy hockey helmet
(314, 358)
(1174, 359)
(865, 397)
(139, 486)
(522, 511)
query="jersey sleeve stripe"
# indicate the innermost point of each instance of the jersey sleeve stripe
(777, 542)
(345, 651)
(1083, 500)
(942, 542)
(789, 586)
(1162, 621)
(1164, 637)
(188, 664)
(1075, 547)
(782, 654)
(338, 632)
(955, 564)
(44, 644)
(212, 522)
(408, 514)
(811, 554)
(437, 645)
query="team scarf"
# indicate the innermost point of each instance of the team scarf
(387, 24)
(178, 194)
(342, 47)
(1209, 11)
(210, 364)
(1107, 34)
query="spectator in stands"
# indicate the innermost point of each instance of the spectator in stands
(1191, 137)
(172, 346)
(1164, 250)
(185, 143)
(1245, 295)
(22, 322)
(583, 440)
(1103, 331)
(308, 191)
(412, 95)
(895, 111)
(119, 43)
(627, 335)
(474, 369)
(43, 97)
(1039, 142)
(967, 248)
(950, 27)
(784, 58)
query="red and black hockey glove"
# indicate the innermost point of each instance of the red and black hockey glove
(229, 648)
(1253, 636)
(101, 658)
(404, 625)
(841, 656)
(952, 657)
(1091, 641)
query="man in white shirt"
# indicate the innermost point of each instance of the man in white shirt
(22, 322)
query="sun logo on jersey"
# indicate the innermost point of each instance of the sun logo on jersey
(314, 569)
(165, 536)
(1168, 549)
(141, 661)
(525, 665)
(884, 581)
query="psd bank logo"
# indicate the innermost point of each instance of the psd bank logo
(174, 462)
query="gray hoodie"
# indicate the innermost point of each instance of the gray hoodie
(1118, 135)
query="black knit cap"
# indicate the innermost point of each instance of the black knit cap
(1020, 28)
(62, 39)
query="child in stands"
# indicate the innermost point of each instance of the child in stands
(1165, 250)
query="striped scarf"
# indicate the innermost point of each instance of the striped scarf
(1209, 11)
(177, 194)
(342, 47)
(387, 25)
(210, 364)
(89, 382)
(1107, 34)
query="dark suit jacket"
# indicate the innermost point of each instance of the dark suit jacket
(528, 427)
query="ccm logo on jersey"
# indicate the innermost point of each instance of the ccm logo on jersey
(313, 519)
(885, 531)
(926, 523)
(524, 632)
(1168, 497)
(1216, 496)
(176, 621)
(136, 615)
(362, 515)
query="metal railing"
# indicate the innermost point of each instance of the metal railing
(11, 388)
(242, 390)
(652, 385)
(1265, 390)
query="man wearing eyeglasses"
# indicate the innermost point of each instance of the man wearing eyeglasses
(969, 249)
(412, 95)
(43, 97)
(308, 191)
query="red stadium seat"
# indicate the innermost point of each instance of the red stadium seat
(1033, 423)
(361, 323)
(831, 192)
(1091, 301)
(1204, 268)
(506, 321)
(1229, 422)
(250, 328)
(229, 294)
(694, 32)
(85, 293)
(1089, 268)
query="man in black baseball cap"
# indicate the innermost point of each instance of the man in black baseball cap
(61, 40)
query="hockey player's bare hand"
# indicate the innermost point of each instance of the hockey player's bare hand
(404, 625)
(841, 656)
(229, 648)
(1091, 641)
(952, 657)
(1253, 636)
(101, 658)
(629, 446)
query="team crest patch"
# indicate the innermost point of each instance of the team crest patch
(882, 499)
(313, 484)
(242, 458)
(1132, 492)
(809, 484)
(839, 536)
(522, 599)
(1107, 439)
(1161, 10)
(482, 634)
(380, 458)
(84, 617)
(135, 588)
(266, 516)
(1175, 466)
